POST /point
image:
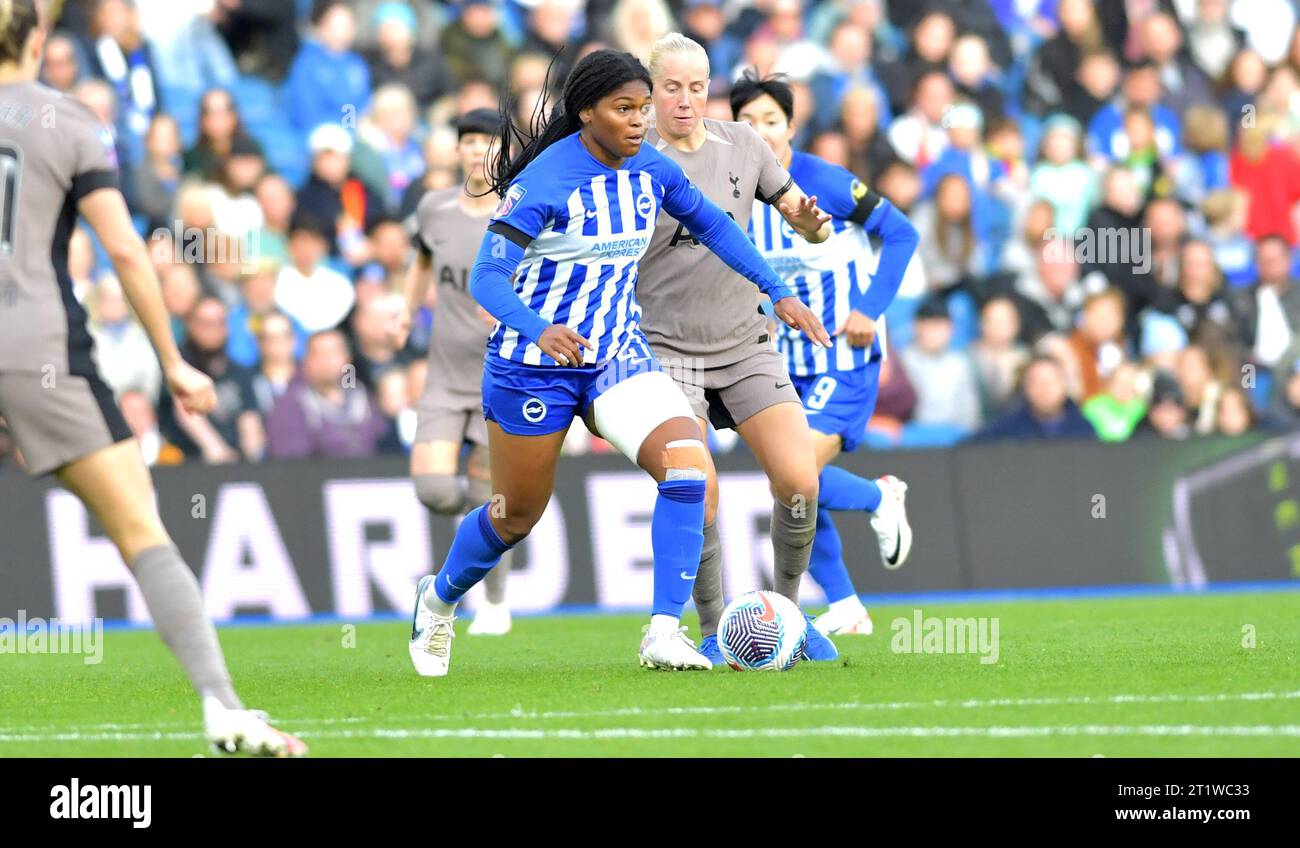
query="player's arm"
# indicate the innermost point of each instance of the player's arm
(415, 292)
(899, 240)
(724, 237)
(489, 283)
(105, 210)
(802, 214)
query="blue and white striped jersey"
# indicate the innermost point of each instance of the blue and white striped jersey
(590, 225)
(825, 276)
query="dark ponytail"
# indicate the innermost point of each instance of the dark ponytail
(595, 75)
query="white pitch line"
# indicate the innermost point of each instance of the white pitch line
(616, 733)
(519, 713)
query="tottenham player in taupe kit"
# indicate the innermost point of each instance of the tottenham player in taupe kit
(56, 162)
(712, 337)
(450, 227)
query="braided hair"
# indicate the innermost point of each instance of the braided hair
(595, 76)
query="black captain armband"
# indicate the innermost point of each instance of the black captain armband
(865, 202)
(514, 234)
(88, 181)
(776, 195)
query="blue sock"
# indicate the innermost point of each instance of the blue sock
(842, 490)
(474, 552)
(826, 565)
(676, 536)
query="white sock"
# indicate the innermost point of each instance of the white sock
(848, 608)
(664, 624)
(437, 604)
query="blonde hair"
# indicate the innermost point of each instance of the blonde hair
(630, 15)
(674, 42)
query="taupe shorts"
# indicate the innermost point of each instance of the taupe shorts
(729, 395)
(57, 418)
(449, 416)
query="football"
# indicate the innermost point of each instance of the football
(762, 631)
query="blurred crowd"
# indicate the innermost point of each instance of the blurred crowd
(1105, 190)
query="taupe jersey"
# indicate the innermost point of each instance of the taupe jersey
(53, 152)
(459, 333)
(694, 306)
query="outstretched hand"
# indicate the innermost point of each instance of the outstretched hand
(794, 313)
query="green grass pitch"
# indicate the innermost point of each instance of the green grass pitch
(1162, 676)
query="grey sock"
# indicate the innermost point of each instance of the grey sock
(793, 529)
(479, 491)
(441, 493)
(172, 595)
(708, 582)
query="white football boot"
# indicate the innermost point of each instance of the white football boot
(671, 649)
(246, 732)
(890, 522)
(490, 620)
(431, 635)
(845, 620)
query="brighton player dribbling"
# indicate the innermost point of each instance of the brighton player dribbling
(837, 386)
(558, 269)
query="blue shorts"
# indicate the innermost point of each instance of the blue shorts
(839, 403)
(533, 400)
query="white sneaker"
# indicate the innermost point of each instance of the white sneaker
(890, 522)
(671, 650)
(849, 622)
(246, 732)
(431, 635)
(490, 620)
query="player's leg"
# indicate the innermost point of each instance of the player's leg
(523, 475)
(433, 471)
(707, 593)
(782, 443)
(649, 420)
(492, 618)
(115, 486)
(826, 566)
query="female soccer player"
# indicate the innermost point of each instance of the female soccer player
(838, 386)
(578, 210)
(451, 224)
(58, 162)
(713, 338)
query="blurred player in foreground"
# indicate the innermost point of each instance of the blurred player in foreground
(58, 163)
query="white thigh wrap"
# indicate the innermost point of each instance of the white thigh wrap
(629, 411)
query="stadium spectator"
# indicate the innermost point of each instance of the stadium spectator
(1098, 345)
(277, 202)
(255, 306)
(895, 401)
(1116, 412)
(324, 413)
(373, 353)
(1284, 402)
(1051, 83)
(278, 344)
(975, 76)
(328, 83)
(262, 35)
(703, 22)
(1236, 415)
(1234, 252)
(1200, 388)
(997, 356)
(1268, 312)
(389, 246)
(919, 136)
(945, 383)
(1212, 38)
(1047, 411)
(1245, 82)
(1184, 83)
(120, 55)
(1050, 295)
(396, 58)
(1061, 177)
(950, 250)
(398, 413)
(867, 151)
(137, 410)
(219, 126)
(388, 157)
(473, 45)
(1268, 174)
(1098, 80)
(1140, 89)
(333, 193)
(126, 360)
(1167, 416)
(1200, 304)
(61, 67)
(313, 294)
(1202, 167)
(180, 292)
(159, 175)
(930, 44)
(235, 210)
(551, 25)
(233, 429)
